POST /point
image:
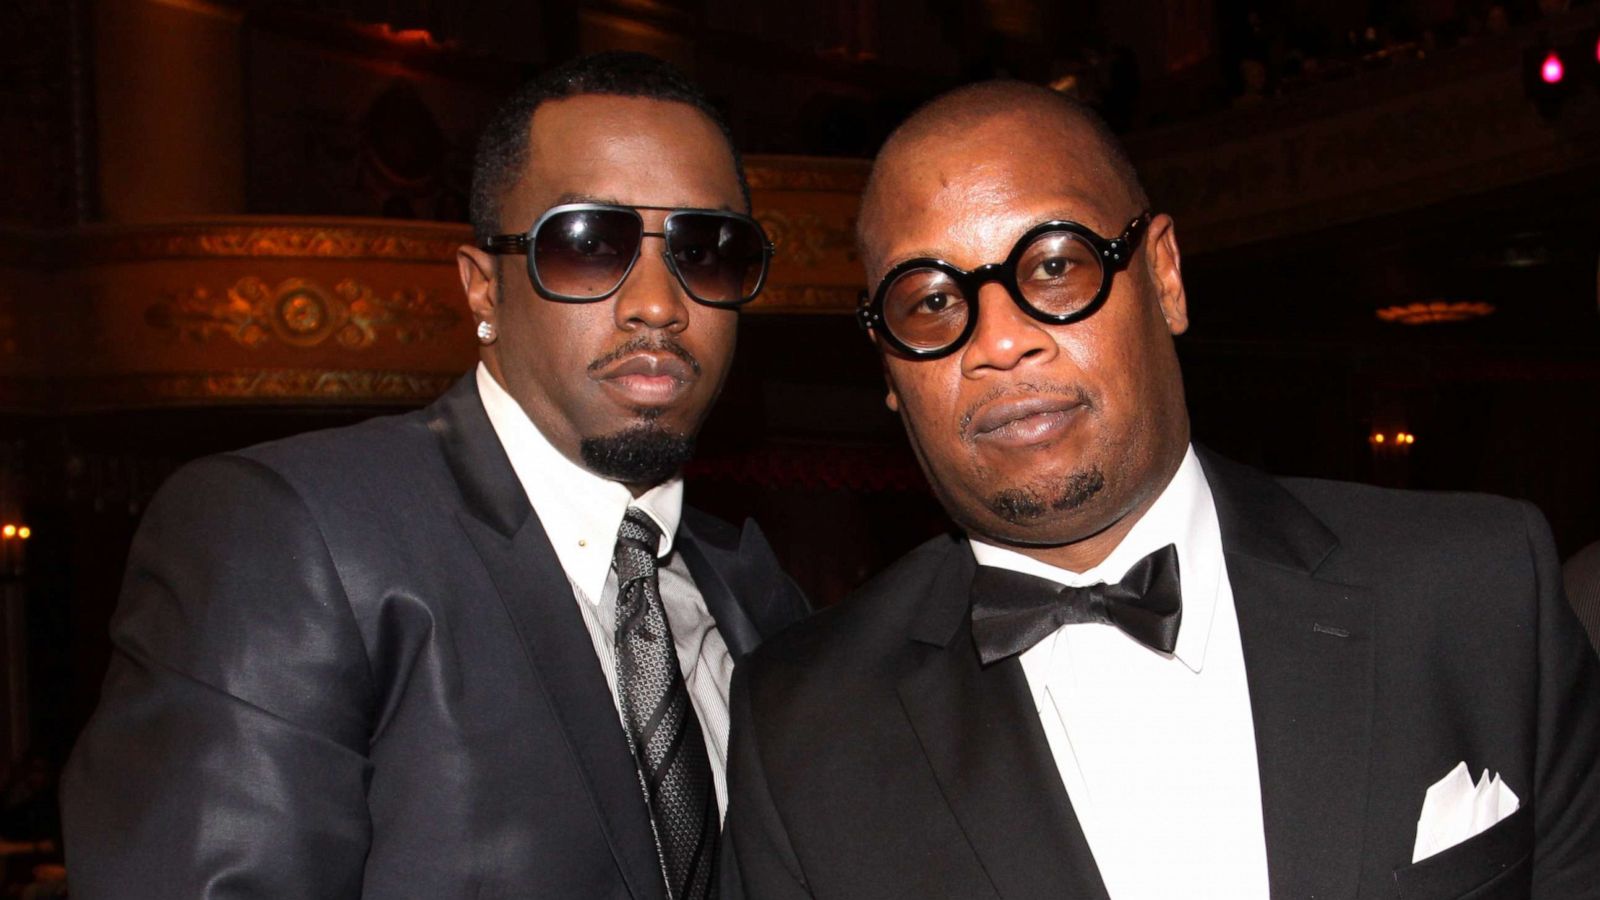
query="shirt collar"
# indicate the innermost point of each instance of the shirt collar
(1185, 515)
(580, 511)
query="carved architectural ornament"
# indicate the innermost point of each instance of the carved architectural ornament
(301, 313)
(388, 242)
(264, 385)
(804, 238)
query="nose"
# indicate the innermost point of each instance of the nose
(651, 297)
(1005, 336)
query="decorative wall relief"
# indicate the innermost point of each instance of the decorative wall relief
(268, 386)
(407, 242)
(302, 313)
(805, 238)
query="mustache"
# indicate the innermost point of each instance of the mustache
(1077, 393)
(647, 344)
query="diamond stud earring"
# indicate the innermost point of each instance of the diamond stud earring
(486, 333)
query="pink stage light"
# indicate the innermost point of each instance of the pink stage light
(1552, 71)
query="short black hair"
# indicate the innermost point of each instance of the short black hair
(503, 149)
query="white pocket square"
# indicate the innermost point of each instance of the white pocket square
(1456, 809)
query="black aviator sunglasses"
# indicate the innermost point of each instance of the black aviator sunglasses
(1059, 272)
(583, 252)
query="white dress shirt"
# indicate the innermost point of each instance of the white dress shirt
(1157, 752)
(581, 514)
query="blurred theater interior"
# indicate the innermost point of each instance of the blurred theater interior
(225, 221)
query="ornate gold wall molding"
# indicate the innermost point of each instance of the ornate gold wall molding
(804, 238)
(301, 313)
(266, 386)
(397, 241)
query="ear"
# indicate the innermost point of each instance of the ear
(479, 274)
(892, 398)
(1165, 267)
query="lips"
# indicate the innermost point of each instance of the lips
(647, 379)
(1022, 421)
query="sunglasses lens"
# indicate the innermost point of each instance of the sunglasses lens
(721, 258)
(585, 253)
(925, 309)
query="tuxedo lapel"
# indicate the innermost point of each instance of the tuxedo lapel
(1308, 653)
(988, 751)
(538, 598)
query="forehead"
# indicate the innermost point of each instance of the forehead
(626, 150)
(966, 197)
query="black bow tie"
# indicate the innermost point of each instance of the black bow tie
(1012, 611)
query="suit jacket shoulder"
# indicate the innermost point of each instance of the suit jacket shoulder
(865, 632)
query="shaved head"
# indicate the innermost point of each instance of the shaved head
(1084, 136)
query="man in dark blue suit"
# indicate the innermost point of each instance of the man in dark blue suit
(483, 649)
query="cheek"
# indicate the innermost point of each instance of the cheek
(556, 339)
(712, 337)
(929, 403)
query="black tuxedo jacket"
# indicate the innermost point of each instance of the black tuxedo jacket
(349, 664)
(1387, 636)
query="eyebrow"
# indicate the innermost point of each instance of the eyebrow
(575, 197)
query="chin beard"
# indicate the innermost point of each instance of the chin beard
(641, 454)
(1020, 506)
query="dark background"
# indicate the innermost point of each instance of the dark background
(368, 108)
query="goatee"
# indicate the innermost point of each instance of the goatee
(644, 454)
(1022, 505)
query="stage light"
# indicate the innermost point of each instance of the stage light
(1551, 71)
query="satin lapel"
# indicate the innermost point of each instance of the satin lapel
(1308, 652)
(988, 751)
(715, 570)
(538, 598)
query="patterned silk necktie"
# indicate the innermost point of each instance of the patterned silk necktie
(668, 746)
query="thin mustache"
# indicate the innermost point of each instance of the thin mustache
(647, 345)
(1078, 394)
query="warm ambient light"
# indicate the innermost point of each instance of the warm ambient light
(1551, 70)
(1435, 311)
(9, 531)
(403, 37)
(1400, 439)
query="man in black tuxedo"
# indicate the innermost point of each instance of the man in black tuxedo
(1143, 671)
(481, 650)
